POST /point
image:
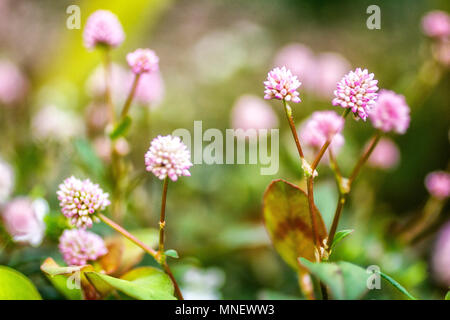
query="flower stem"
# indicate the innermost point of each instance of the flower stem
(178, 293)
(288, 112)
(312, 210)
(364, 157)
(107, 73)
(127, 105)
(162, 219)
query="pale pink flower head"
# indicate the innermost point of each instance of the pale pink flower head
(357, 92)
(6, 180)
(13, 83)
(390, 112)
(79, 246)
(143, 60)
(282, 85)
(150, 89)
(436, 24)
(80, 201)
(300, 60)
(103, 28)
(251, 112)
(24, 220)
(385, 155)
(440, 260)
(321, 126)
(438, 184)
(169, 157)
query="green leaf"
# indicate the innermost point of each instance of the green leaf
(172, 253)
(345, 280)
(339, 236)
(145, 283)
(15, 286)
(447, 296)
(121, 128)
(397, 285)
(287, 219)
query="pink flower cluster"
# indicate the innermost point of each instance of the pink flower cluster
(438, 184)
(357, 91)
(143, 60)
(168, 156)
(322, 126)
(79, 246)
(390, 113)
(282, 85)
(103, 28)
(436, 24)
(81, 200)
(385, 155)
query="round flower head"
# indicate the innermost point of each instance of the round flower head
(24, 220)
(13, 83)
(79, 246)
(357, 91)
(282, 85)
(168, 156)
(321, 126)
(438, 184)
(385, 155)
(81, 200)
(142, 60)
(390, 112)
(440, 261)
(436, 24)
(103, 28)
(6, 180)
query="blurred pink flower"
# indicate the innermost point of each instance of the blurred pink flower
(102, 146)
(121, 80)
(438, 184)
(81, 200)
(6, 180)
(168, 156)
(24, 220)
(441, 52)
(440, 260)
(252, 112)
(79, 246)
(323, 125)
(390, 112)
(282, 85)
(357, 91)
(150, 89)
(301, 61)
(330, 67)
(436, 24)
(103, 28)
(143, 60)
(385, 155)
(13, 83)
(97, 116)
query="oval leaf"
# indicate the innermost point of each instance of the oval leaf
(15, 286)
(339, 236)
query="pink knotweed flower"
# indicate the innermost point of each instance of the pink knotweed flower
(357, 91)
(79, 246)
(438, 184)
(390, 112)
(251, 112)
(440, 261)
(436, 24)
(150, 89)
(143, 60)
(13, 83)
(103, 28)
(321, 126)
(24, 220)
(385, 155)
(282, 85)
(168, 156)
(81, 201)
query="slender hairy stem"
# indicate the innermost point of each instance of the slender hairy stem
(337, 215)
(126, 106)
(312, 211)
(107, 73)
(128, 235)
(178, 293)
(288, 112)
(162, 219)
(365, 156)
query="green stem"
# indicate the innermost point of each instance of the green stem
(127, 105)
